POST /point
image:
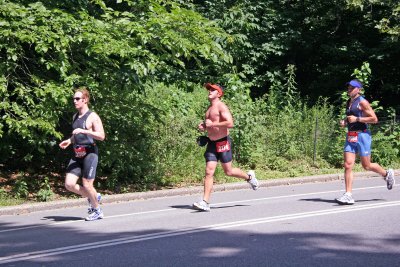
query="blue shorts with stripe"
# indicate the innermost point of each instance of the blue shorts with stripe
(362, 146)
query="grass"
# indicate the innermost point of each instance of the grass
(6, 200)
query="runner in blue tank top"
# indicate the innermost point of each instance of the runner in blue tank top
(86, 128)
(358, 140)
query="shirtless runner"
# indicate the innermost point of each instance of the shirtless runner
(218, 121)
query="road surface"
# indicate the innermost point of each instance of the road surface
(291, 225)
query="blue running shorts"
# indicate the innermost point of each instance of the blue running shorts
(362, 146)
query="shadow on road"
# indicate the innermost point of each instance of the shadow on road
(319, 200)
(196, 247)
(190, 207)
(334, 202)
(62, 218)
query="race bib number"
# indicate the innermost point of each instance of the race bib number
(223, 146)
(80, 151)
(352, 137)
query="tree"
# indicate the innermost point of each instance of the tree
(324, 40)
(114, 48)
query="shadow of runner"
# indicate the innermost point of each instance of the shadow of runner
(63, 218)
(334, 201)
(319, 200)
(190, 207)
(230, 206)
(185, 207)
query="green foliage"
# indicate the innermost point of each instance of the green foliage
(283, 63)
(112, 49)
(390, 23)
(363, 74)
(386, 145)
(324, 40)
(7, 200)
(279, 128)
(153, 137)
(20, 189)
(383, 150)
(45, 193)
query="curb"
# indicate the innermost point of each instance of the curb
(60, 204)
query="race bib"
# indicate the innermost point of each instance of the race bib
(80, 151)
(223, 146)
(352, 137)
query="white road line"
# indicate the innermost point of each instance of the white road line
(74, 221)
(145, 237)
(174, 209)
(289, 196)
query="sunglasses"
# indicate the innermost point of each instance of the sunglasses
(76, 98)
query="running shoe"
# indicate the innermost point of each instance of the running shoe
(202, 205)
(252, 180)
(90, 208)
(96, 214)
(390, 179)
(346, 199)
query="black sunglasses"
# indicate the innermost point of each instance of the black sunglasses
(76, 98)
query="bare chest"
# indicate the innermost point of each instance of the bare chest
(213, 114)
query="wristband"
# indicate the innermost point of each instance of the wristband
(358, 119)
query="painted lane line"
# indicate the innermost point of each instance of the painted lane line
(145, 237)
(174, 209)
(294, 195)
(82, 220)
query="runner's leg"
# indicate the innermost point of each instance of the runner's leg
(349, 160)
(209, 179)
(71, 185)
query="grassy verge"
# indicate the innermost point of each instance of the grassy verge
(7, 200)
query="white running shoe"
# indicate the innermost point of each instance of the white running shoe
(96, 214)
(90, 208)
(346, 199)
(390, 181)
(202, 205)
(253, 180)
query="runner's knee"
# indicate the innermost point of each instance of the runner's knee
(366, 166)
(88, 185)
(228, 172)
(210, 172)
(348, 165)
(69, 186)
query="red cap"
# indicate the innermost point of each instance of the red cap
(217, 87)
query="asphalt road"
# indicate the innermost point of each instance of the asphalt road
(285, 225)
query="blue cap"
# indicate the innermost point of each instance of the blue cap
(355, 83)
